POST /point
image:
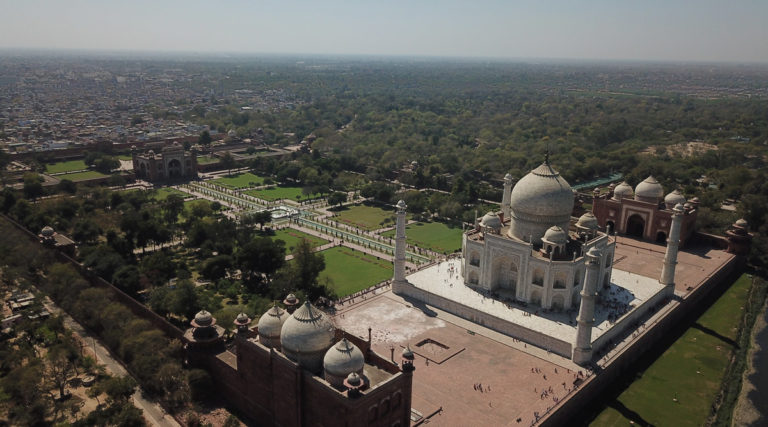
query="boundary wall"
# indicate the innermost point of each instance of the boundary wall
(669, 318)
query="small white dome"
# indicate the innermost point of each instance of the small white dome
(742, 223)
(270, 324)
(673, 198)
(47, 231)
(491, 220)
(341, 360)
(306, 335)
(594, 252)
(587, 221)
(555, 235)
(203, 319)
(622, 191)
(649, 190)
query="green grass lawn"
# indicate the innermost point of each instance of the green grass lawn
(162, 193)
(351, 271)
(124, 156)
(292, 237)
(705, 347)
(365, 217)
(206, 160)
(277, 193)
(81, 176)
(436, 236)
(243, 180)
(68, 166)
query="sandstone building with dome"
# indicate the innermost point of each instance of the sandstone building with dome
(295, 368)
(645, 213)
(173, 162)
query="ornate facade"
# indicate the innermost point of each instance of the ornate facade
(645, 213)
(173, 162)
(535, 255)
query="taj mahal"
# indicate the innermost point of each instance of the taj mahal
(535, 273)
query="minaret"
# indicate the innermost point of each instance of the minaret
(670, 257)
(507, 197)
(582, 349)
(399, 277)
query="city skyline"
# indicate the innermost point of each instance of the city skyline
(596, 30)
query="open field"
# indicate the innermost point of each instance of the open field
(81, 176)
(68, 166)
(352, 271)
(691, 370)
(292, 237)
(243, 180)
(365, 217)
(436, 236)
(277, 193)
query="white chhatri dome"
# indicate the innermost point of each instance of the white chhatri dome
(341, 360)
(588, 221)
(538, 201)
(556, 236)
(622, 191)
(306, 335)
(649, 190)
(672, 199)
(270, 324)
(491, 220)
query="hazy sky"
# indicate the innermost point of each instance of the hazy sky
(697, 30)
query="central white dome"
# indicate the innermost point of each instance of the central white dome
(540, 200)
(306, 335)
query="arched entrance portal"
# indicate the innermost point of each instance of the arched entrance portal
(635, 226)
(142, 170)
(174, 169)
(661, 237)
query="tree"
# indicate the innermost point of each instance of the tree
(261, 218)
(33, 185)
(337, 198)
(227, 162)
(173, 206)
(127, 279)
(86, 232)
(260, 256)
(205, 138)
(215, 268)
(306, 267)
(66, 186)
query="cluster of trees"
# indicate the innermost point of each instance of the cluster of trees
(37, 365)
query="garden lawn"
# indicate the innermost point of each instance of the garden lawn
(277, 193)
(243, 180)
(365, 217)
(436, 236)
(292, 237)
(68, 166)
(81, 176)
(163, 193)
(206, 160)
(705, 347)
(351, 271)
